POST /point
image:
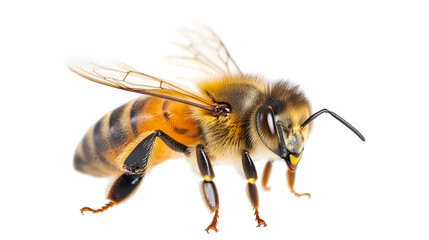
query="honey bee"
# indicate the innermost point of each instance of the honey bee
(232, 116)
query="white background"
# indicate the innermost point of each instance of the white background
(366, 60)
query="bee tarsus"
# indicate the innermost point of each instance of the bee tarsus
(102, 209)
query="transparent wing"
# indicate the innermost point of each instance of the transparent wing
(204, 51)
(119, 75)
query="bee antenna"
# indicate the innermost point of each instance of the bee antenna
(316, 114)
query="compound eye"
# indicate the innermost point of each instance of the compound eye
(265, 122)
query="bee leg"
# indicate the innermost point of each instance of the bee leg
(102, 209)
(123, 187)
(138, 159)
(136, 162)
(208, 186)
(252, 191)
(212, 201)
(291, 181)
(266, 175)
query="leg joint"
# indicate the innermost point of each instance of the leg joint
(137, 160)
(171, 143)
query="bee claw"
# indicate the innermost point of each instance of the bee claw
(261, 223)
(84, 209)
(213, 224)
(212, 227)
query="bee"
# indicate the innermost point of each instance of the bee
(231, 117)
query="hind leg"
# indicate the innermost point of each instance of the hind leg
(134, 168)
(122, 188)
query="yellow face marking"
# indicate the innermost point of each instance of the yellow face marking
(295, 160)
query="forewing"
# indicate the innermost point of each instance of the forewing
(205, 52)
(119, 75)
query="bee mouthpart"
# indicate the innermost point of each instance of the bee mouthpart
(292, 160)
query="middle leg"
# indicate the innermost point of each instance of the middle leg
(208, 186)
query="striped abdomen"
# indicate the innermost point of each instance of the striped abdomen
(111, 135)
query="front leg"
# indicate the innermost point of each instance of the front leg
(291, 181)
(252, 191)
(266, 175)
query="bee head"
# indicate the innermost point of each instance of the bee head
(281, 132)
(284, 132)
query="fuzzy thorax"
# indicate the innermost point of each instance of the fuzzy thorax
(231, 133)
